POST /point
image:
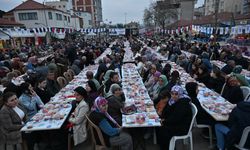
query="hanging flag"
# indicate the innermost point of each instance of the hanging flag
(226, 30)
(221, 30)
(233, 29)
(248, 29)
(240, 28)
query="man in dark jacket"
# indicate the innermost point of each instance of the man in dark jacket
(238, 120)
(52, 85)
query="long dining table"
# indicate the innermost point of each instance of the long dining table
(55, 112)
(212, 102)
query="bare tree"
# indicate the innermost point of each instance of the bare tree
(149, 18)
(159, 16)
(164, 16)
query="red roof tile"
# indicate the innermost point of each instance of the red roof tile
(6, 22)
(33, 5)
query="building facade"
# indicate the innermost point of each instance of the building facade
(246, 7)
(234, 6)
(87, 18)
(36, 15)
(187, 9)
(94, 7)
(199, 12)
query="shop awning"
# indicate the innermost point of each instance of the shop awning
(4, 36)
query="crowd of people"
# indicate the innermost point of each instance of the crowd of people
(102, 98)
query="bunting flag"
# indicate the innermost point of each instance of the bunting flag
(226, 30)
(221, 30)
(233, 29)
(208, 30)
(248, 29)
(240, 28)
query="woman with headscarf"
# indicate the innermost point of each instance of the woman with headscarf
(115, 102)
(111, 130)
(147, 71)
(232, 91)
(152, 90)
(241, 78)
(163, 82)
(150, 78)
(176, 117)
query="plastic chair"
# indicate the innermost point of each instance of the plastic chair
(209, 129)
(93, 129)
(246, 92)
(17, 72)
(223, 87)
(62, 81)
(243, 139)
(71, 72)
(11, 75)
(189, 134)
(68, 76)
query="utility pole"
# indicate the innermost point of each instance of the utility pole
(217, 3)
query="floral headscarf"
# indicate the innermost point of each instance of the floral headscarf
(178, 89)
(96, 107)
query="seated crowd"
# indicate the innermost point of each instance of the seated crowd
(102, 98)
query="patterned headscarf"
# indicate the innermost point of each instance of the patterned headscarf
(178, 89)
(96, 107)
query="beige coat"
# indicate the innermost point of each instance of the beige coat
(79, 121)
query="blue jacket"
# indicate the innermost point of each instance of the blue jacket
(30, 103)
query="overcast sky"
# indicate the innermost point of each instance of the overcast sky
(113, 10)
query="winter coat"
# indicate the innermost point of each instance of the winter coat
(79, 121)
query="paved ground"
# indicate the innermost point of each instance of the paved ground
(199, 143)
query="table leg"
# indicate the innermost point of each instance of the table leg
(155, 142)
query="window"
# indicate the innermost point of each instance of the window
(63, 6)
(50, 15)
(59, 6)
(58, 16)
(28, 16)
(68, 19)
(65, 18)
(222, 4)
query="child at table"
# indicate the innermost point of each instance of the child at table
(162, 103)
